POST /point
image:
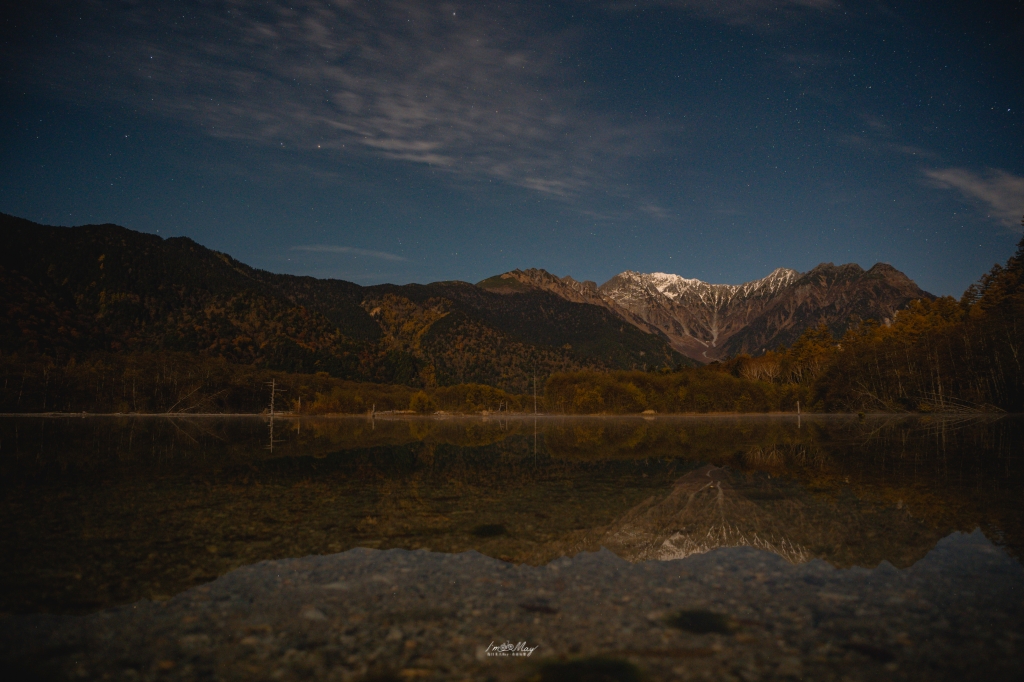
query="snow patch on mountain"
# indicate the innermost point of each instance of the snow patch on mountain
(707, 321)
(631, 287)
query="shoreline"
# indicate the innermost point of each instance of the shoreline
(463, 415)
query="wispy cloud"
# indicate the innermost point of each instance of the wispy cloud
(656, 211)
(1000, 193)
(325, 248)
(474, 89)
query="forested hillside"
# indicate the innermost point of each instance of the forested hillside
(69, 293)
(100, 317)
(937, 355)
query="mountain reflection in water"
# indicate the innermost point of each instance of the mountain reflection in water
(106, 511)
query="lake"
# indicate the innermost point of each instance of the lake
(550, 548)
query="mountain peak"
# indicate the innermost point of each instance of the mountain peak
(831, 270)
(628, 284)
(536, 279)
(512, 282)
(708, 321)
(886, 271)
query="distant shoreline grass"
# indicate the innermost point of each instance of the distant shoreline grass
(477, 415)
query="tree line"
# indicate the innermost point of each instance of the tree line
(941, 355)
(185, 383)
(936, 355)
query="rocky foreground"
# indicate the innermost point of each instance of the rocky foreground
(730, 614)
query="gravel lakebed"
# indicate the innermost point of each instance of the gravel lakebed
(730, 614)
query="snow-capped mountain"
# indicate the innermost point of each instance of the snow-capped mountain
(696, 316)
(711, 321)
(713, 295)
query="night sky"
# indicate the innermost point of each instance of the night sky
(401, 141)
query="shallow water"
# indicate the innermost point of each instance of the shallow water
(822, 547)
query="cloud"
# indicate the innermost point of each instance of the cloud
(325, 248)
(656, 211)
(1001, 193)
(481, 90)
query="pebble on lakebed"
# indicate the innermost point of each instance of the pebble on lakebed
(731, 614)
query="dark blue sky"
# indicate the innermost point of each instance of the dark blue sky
(399, 141)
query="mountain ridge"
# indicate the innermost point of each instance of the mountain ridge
(108, 288)
(708, 322)
(70, 291)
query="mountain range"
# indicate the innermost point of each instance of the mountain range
(708, 322)
(66, 292)
(105, 288)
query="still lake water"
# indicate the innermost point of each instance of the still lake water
(672, 548)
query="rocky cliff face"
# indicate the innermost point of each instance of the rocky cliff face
(835, 295)
(697, 317)
(708, 322)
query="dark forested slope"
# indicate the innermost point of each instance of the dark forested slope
(104, 288)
